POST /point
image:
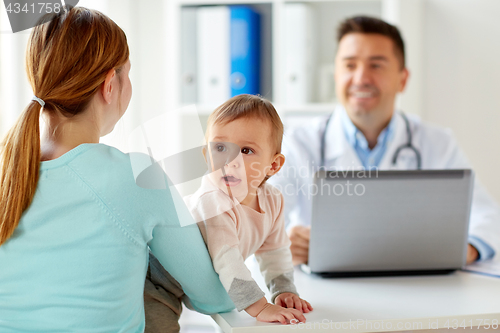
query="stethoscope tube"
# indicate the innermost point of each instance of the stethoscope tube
(407, 145)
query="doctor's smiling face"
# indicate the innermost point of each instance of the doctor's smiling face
(369, 73)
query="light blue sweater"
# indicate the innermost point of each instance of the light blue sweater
(78, 259)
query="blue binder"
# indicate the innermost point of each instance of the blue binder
(245, 51)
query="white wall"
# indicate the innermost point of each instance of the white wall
(462, 78)
(15, 92)
(407, 15)
(145, 29)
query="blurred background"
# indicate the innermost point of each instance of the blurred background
(184, 52)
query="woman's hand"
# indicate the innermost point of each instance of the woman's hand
(290, 300)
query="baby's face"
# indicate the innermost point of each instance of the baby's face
(243, 174)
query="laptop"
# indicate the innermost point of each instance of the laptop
(382, 223)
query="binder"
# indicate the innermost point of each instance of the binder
(188, 79)
(245, 51)
(299, 53)
(214, 63)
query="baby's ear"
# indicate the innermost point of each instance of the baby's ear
(277, 164)
(204, 151)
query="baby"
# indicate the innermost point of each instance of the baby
(240, 214)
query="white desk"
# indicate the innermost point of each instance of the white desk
(383, 304)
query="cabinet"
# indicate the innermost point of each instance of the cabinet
(327, 14)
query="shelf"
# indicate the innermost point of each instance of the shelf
(312, 108)
(222, 2)
(264, 8)
(250, 2)
(274, 73)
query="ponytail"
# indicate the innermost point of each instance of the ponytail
(19, 168)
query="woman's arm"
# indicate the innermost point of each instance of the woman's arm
(182, 252)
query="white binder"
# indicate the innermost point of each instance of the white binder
(214, 63)
(189, 77)
(299, 53)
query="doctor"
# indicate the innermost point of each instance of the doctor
(367, 132)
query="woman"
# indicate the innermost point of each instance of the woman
(74, 226)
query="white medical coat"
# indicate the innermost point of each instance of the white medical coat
(438, 148)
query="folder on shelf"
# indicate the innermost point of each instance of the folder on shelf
(299, 53)
(214, 63)
(228, 51)
(189, 84)
(245, 51)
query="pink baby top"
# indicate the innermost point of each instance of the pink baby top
(234, 232)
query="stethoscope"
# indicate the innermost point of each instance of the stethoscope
(407, 145)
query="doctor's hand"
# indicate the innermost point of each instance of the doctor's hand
(472, 254)
(299, 236)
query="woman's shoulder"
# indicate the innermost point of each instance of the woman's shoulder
(117, 175)
(102, 160)
(107, 155)
(131, 185)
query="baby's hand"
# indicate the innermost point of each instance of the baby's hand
(271, 313)
(290, 300)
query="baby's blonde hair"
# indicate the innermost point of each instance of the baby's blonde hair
(247, 106)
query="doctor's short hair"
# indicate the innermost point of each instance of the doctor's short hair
(248, 106)
(372, 25)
